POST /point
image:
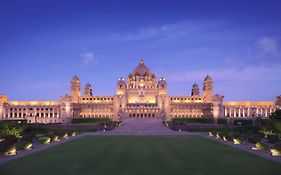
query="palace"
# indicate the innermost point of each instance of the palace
(140, 95)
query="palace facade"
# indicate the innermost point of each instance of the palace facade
(140, 95)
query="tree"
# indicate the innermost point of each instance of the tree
(10, 128)
(276, 115)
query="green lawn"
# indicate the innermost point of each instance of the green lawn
(144, 155)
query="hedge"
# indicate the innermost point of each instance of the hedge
(243, 122)
(192, 120)
(222, 121)
(211, 129)
(90, 120)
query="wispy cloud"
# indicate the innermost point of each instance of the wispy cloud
(248, 74)
(174, 30)
(88, 57)
(268, 46)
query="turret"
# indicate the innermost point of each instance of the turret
(208, 90)
(162, 86)
(278, 101)
(195, 90)
(75, 89)
(88, 90)
(121, 86)
(217, 107)
(3, 100)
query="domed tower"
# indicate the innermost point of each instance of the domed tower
(121, 86)
(75, 89)
(195, 90)
(208, 89)
(142, 77)
(88, 90)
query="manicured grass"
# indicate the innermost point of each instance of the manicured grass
(143, 155)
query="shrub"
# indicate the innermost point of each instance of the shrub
(11, 150)
(222, 121)
(10, 128)
(254, 139)
(249, 129)
(261, 146)
(39, 136)
(276, 115)
(44, 140)
(65, 135)
(276, 150)
(237, 141)
(226, 137)
(260, 135)
(212, 134)
(273, 138)
(54, 138)
(276, 124)
(192, 120)
(27, 138)
(24, 145)
(277, 146)
(197, 129)
(73, 133)
(219, 135)
(35, 128)
(10, 139)
(60, 132)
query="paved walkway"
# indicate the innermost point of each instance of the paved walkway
(142, 126)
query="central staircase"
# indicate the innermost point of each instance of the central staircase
(142, 126)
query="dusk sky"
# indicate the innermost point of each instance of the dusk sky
(44, 43)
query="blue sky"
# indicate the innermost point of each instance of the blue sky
(44, 43)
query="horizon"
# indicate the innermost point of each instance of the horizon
(44, 44)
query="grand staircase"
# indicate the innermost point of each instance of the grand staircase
(142, 126)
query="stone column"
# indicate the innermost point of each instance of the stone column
(239, 112)
(248, 111)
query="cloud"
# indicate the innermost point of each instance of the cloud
(88, 57)
(248, 74)
(168, 31)
(268, 46)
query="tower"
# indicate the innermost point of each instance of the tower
(208, 89)
(120, 99)
(88, 90)
(3, 100)
(162, 86)
(195, 90)
(75, 89)
(163, 99)
(278, 101)
(121, 86)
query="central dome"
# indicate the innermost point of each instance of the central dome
(141, 70)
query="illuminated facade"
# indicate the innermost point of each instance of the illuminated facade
(140, 95)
